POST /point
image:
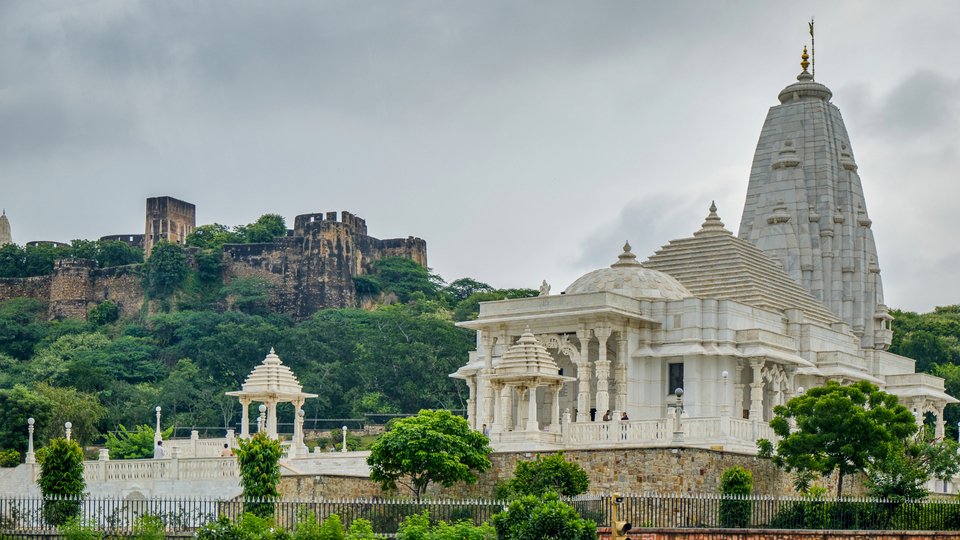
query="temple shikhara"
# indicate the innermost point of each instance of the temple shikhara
(697, 344)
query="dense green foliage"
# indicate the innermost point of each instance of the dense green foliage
(550, 473)
(531, 517)
(61, 476)
(16, 261)
(166, 269)
(136, 444)
(9, 458)
(433, 446)
(902, 473)
(838, 428)
(735, 482)
(253, 527)
(259, 460)
(418, 527)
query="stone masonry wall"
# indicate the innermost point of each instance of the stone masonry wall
(122, 285)
(641, 470)
(33, 287)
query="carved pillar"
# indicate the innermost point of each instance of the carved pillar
(472, 403)
(620, 374)
(790, 374)
(555, 406)
(756, 391)
(487, 396)
(496, 420)
(940, 424)
(272, 419)
(583, 376)
(603, 370)
(506, 408)
(245, 418)
(738, 391)
(532, 424)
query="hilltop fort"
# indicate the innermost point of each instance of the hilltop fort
(310, 268)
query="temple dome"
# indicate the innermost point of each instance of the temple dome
(630, 278)
(527, 357)
(271, 376)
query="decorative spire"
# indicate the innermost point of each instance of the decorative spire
(627, 258)
(803, 59)
(712, 223)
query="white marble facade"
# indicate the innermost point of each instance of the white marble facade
(741, 324)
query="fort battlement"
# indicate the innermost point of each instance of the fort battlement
(304, 222)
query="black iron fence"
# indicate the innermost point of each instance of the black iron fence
(118, 517)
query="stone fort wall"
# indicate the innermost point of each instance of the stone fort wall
(309, 269)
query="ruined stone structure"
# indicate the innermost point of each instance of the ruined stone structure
(167, 219)
(313, 266)
(310, 268)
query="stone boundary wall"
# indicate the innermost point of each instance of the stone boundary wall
(603, 533)
(32, 287)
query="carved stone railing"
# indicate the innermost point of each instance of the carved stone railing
(702, 432)
(160, 469)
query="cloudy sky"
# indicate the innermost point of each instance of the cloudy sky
(523, 140)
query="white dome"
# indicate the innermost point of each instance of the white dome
(271, 376)
(630, 278)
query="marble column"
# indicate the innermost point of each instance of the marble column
(245, 418)
(756, 391)
(940, 431)
(272, 419)
(583, 376)
(506, 408)
(620, 374)
(487, 395)
(532, 424)
(555, 408)
(603, 370)
(738, 391)
(472, 403)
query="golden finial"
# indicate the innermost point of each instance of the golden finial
(803, 57)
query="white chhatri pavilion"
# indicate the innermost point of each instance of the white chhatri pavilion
(271, 383)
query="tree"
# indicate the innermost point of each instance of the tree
(902, 474)
(81, 409)
(103, 313)
(433, 446)
(460, 289)
(137, 444)
(550, 473)
(18, 404)
(735, 509)
(265, 229)
(166, 269)
(531, 517)
(61, 475)
(259, 460)
(404, 277)
(838, 428)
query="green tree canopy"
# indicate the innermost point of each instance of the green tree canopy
(546, 516)
(259, 459)
(548, 473)
(136, 444)
(838, 428)
(61, 474)
(433, 446)
(166, 269)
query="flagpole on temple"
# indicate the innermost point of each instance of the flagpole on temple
(813, 58)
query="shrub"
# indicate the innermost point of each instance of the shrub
(148, 527)
(542, 517)
(105, 312)
(76, 530)
(311, 529)
(9, 458)
(259, 460)
(361, 529)
(61, 478)
(417, 527)
(550, 473)
(735, 484)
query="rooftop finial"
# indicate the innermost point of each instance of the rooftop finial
(803, 59)
(626, 245)
(712, 223)
(627, 258)
(813, 60)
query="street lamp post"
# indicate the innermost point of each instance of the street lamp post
(678, 412)
(157, 436)
(262, 419)
(343, 447)
(68, 427)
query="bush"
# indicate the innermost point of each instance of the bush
(105, 312)
(361, 529)
(61, 480)
(311, 529)
(149, 527)
(76, 530)
(259, 472)
(551, 473)
(736, 483)
(250, 527)
(9, 458)
(417, 527)
(542, 517)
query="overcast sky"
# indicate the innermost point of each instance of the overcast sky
(522, 140)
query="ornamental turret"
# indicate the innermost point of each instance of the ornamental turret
(805, 207)
(5, 236)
